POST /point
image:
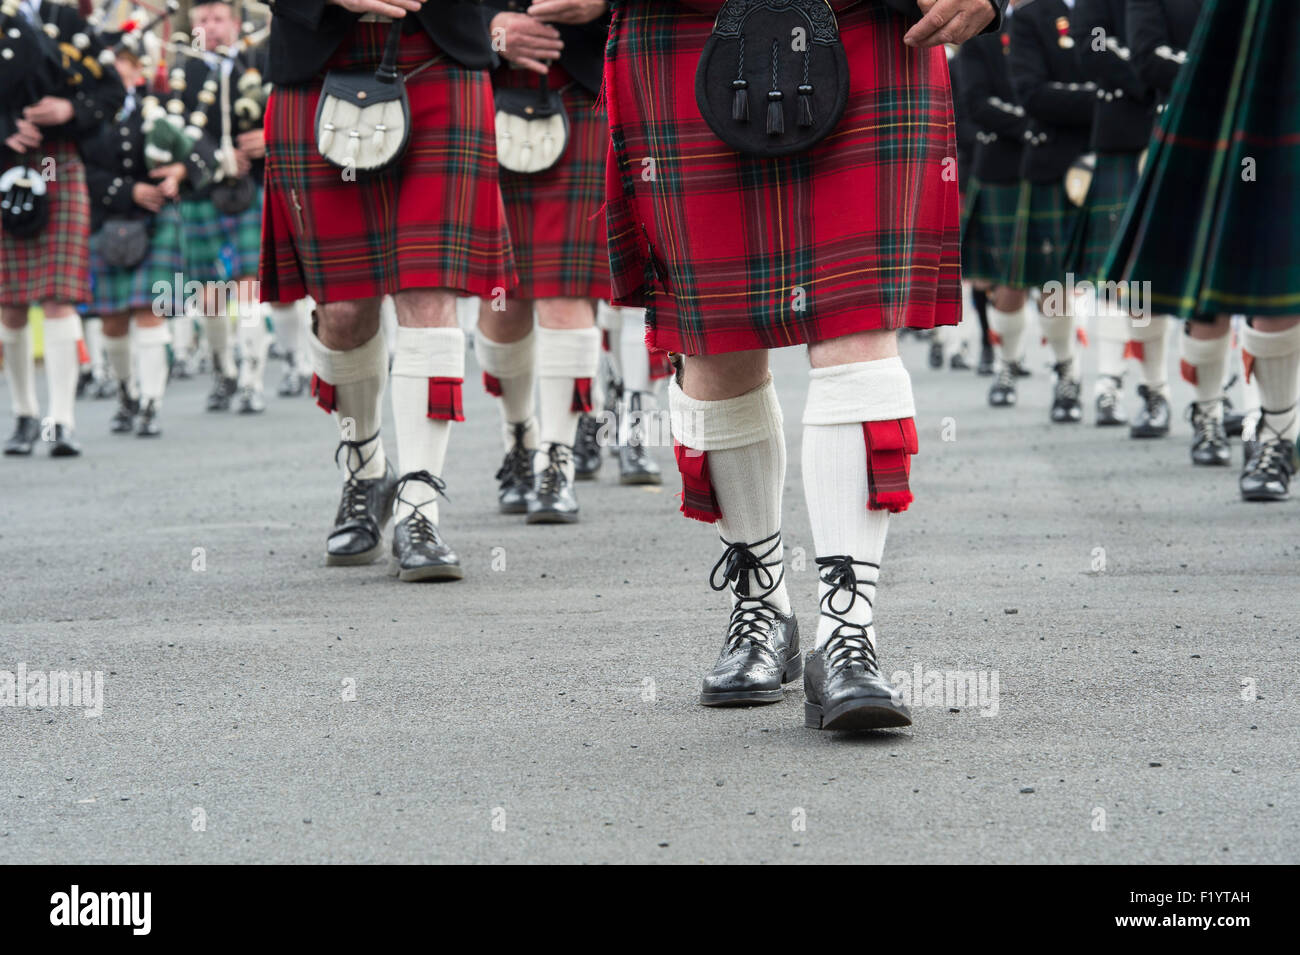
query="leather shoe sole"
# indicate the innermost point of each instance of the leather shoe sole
(430, 572)
(354, 560)
(644, 478)
(864, 714)
(551, 517)
(793, 670)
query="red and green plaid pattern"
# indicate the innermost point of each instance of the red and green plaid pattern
(989, 231)
(436, 221)
(1044, 223)
(53, 266)
(1097, 222)
(1215, 224)
(556, 227)
(126, 290)
(729, 252)
(220, 247)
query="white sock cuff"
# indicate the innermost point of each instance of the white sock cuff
(1152, 329)
(1270, 344)
(568, 352)
(730, 423)
(505, 359)
(878, 390)
(1113, 327)
(1204, 351)
(13, 336)
(62, 330)
(152, 334)
(349, 367)
(429, 353)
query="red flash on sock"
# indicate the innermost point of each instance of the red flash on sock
(492, 385)
(1247, 364)
(444, 399)
(890, 446)
(1135, 349)
(1188, 371)
(581, 396)
(698, 500)
(323, 392)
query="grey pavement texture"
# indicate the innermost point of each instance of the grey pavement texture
(510, 718)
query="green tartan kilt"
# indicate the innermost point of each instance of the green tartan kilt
(1214, 226)
(1097, 222)
(1044, 222)
(116, 290)
(219, 248)
(988, 231)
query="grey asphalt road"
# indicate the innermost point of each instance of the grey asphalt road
(1140, 621)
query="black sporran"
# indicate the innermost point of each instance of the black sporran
(532, 128)
(233, 196)
(24, 204)
(773, 78)
(123, 243)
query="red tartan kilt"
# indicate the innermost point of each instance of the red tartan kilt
(53, 266)
(557, 228)
(435, 222)
(862, 231)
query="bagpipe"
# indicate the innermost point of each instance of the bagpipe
(36, 61)
(171, 134)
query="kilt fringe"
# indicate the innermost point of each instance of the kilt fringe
(492, 385)
(582, 402)
(445, 399)
(661, 364)
(890, 446)
(698, 500)
(323, 392)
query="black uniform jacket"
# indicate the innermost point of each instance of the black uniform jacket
(1125, 108)
(95, 90)
(1050, 84)
(115, 162)
(1000, 123)
(583, 56)
(305, 34)
(201, 71)
(1159, 33)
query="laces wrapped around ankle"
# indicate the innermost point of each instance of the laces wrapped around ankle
(839, 575)
(558, 457)
(518, 462)
(421, 528)
(354, 506)
(753, 615)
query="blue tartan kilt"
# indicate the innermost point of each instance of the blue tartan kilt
(219, 248)
(150, 285)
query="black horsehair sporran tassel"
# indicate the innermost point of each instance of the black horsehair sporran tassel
(775, 111)
(740, 98)
(805, 95)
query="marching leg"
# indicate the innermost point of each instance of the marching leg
(1271, 351)
(1147, 342)
(567, 361)
(635, 466)
(20, 367)
(152, 336)
(1204, 362)
(509, 373)
(62, 365)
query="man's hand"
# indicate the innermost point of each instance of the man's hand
(171, 176)
(568, 11)
(252, 144)
(525, 41)
(949, 21)
(147, 197)
(28, 137)
(49, 111)
(387, 8)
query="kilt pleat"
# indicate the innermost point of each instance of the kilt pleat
(1097, 222)
(989, 231)
(436, 221)
(219, 247)
(729, 252)
(53, 266)
(1214, 226)
(557, 231)
(1044, 223)
(153, 281)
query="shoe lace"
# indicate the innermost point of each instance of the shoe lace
(849, 642)
(1066, 388)
(354, 505)
(518, 462)
(418, 525)
(552, 478)
(636, 436)
(1207, 428)
(1006, 377)
(753, 615)
(1273, 452)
